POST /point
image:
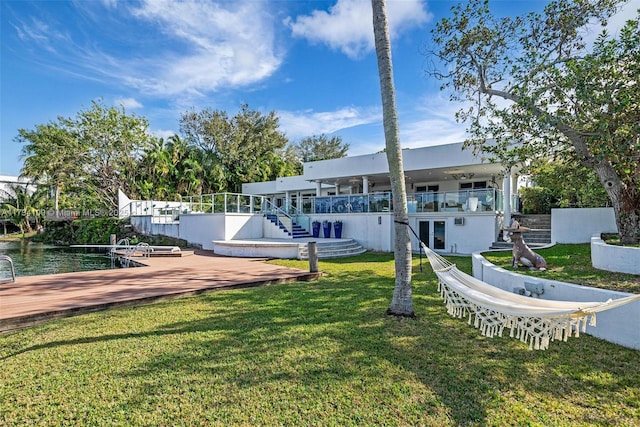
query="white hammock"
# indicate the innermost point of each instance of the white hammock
(531, 320)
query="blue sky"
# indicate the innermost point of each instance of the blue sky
(312, 62)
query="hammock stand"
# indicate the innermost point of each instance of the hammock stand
(532, 320)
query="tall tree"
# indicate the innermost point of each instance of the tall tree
(402, 301)
(52, 157)
(248, 147)
(115, 142)
(321, 147)
(155, 171)
(535, 80)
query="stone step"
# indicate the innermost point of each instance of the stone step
(329, 248)
(337, 249)
(297, 231)
(508, 245)
(535, 221)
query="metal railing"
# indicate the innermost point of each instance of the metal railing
(163, 212)
(8, 259)
(298, 209)
(287, 216)
(479, 200)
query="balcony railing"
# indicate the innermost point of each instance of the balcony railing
(163, 212)
(479, 200)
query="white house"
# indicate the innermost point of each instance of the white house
(457, 203)
(455, 200)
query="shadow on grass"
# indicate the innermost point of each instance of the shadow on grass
(325, 348)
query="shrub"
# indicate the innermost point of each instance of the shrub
(536, 200)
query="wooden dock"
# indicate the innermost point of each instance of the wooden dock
(35, 299)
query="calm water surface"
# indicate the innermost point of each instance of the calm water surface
(31, 259)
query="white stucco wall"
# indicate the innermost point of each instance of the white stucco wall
(477, 233)
(143, 225)
(201, 229)
(620, 259)
(619, 325)
(438, 156)
(242, 226)
(364, 229)
(578, 225)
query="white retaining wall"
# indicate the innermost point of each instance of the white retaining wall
(203, 229)
(620, 259)
(578, 225)
(143, 225)
(371, 231)
(619, 325)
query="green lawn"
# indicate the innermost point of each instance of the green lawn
(312, 353)
(571, 263)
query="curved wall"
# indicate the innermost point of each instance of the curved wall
(619, 325)
(620, 259)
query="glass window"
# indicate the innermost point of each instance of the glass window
(439, 235)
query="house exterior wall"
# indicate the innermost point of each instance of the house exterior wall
(373, 231)
(477, 232)
(432, 157)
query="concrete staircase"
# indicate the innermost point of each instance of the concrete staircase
(540, 234)
(297, 231)
(334, 248)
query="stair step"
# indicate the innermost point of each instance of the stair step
(331, 249)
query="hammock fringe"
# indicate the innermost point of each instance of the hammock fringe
(533, 321)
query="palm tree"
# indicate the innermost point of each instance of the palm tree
(52, 156)
(24, 206)
(402, 302)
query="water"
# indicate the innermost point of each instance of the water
(32, 259)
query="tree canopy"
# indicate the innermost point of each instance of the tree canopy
(248, 147)
(94, 154)
(320, 147)
(534, 86)
(85, 159)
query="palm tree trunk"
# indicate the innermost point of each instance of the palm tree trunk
(402, 302)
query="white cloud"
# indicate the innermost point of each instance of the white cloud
(627, 11)
(221, 45)
(301, 124)
(348, 27)
(129, 103)
(180, 48)
(163, 133)
(40, 33)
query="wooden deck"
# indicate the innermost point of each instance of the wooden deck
(35, 299)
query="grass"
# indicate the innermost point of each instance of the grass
(315, 353)
(571, 263)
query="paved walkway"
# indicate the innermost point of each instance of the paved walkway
(34, 299)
